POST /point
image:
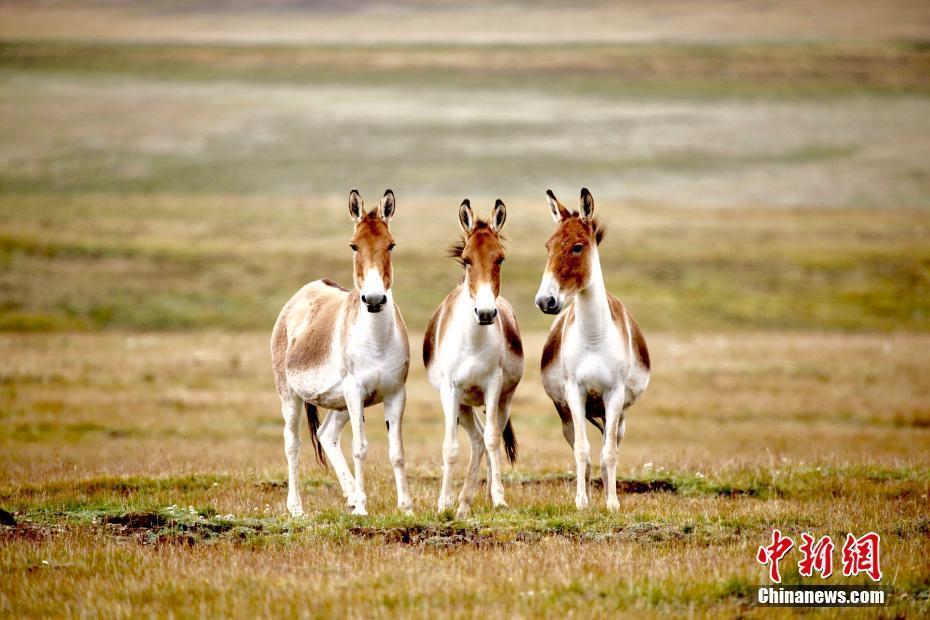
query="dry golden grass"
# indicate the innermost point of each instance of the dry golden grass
(746, 432)
(159, 174)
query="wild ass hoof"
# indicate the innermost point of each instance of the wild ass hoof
(445, 503)
(613, 504)
(463, 511)
(500, 503)
(358, 504)
(296, 510)
(581, 501)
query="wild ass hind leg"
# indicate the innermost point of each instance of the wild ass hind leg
(291, 409)
(451, 405)
(393, 417)
(469, 421)
(487, 455)
(330, 433)
(614, 427)
(576, 397)
(493, 440)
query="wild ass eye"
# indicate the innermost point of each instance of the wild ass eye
(354, 247)
(577, 248)
(499, 260)
(466, 261)
(391, 247)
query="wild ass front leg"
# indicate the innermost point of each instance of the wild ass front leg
(291, 409)
(492, 440)
(330, 433)
(472, 426)
(576, 403)
(614, 425)
(355, 405)
(450, 443)
(568, 431)
(393, 417)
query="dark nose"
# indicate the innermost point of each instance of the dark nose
(486, 317)
(374, 302)
(549, 304)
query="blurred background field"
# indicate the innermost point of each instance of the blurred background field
(170, 173)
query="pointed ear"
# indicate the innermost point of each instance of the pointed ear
(556, 208)
(587, 205)
(386, 208)
(466, 217)
(498, 215)
(356, 206)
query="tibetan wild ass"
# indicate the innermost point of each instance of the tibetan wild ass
(343, 351)
(595, 364)
(474, 357)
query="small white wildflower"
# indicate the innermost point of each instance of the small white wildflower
(699, 475)
(647, 466)
(46, 562)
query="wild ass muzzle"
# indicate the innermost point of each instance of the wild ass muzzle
(343, 350)
(474, 357)
(595, 364)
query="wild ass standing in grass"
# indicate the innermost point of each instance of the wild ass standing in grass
(345, 350)
(474, 357)
(595, 364)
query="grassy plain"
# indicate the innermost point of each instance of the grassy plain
(768, 226)
(111, 440)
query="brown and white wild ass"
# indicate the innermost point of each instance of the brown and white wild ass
(345, 350)
(474, 357)
(595, 364)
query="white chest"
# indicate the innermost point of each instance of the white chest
(595, 365)
(377, 366)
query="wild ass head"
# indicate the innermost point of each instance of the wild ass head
(481, 253)
(572, 253)
(371, 245)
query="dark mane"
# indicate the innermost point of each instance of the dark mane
(456, 249)
(598, 228)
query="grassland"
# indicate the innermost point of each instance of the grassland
(160, 200)
(147, 474)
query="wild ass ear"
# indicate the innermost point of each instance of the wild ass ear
(498, 215)
(386, 208)
(556, 208)
(356, 206)
(466, 217)
(587, 205)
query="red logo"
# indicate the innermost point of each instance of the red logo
(817, 556)
(860, 555)
(771, 555)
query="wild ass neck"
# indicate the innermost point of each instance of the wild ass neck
(474, 336)
(377, 327)
(592, 309)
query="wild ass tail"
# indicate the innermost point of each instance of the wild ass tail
(595, 413)
(314, 420)
(510, 443)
